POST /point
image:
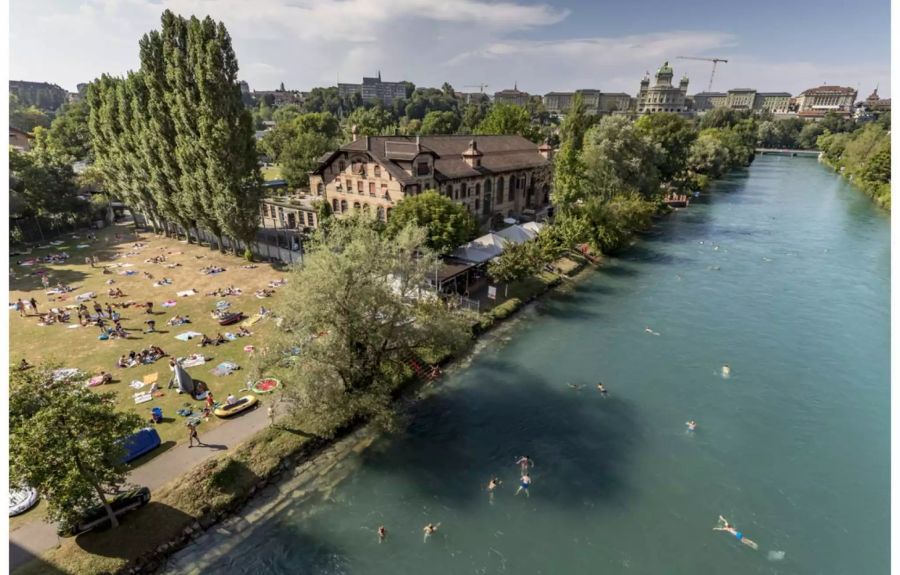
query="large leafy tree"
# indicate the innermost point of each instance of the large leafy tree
(64, 441)
(370, 122)
(298, 143)
(353, 313)
(569, 170)
(673, 135)
(447, 224)
(69, 136)
(26, 118)
(436, 122)
(508, 119)
(618, 156)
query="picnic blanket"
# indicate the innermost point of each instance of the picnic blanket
(169, 303)
(187, 292)
(222, 304)
(188, 335)
(151, 378)
(251, 321)
(225, 368)
(85, 296)
(64, 373)
(136, 384)
(95, 381)
(193, 361)
(230, 336)
(128, 273)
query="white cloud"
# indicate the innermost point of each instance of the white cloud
(307, 43)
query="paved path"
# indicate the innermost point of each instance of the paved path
(33, 538)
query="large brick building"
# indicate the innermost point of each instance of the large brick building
(494, 176)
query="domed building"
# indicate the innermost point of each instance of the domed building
(662, 96)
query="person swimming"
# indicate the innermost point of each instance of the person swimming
(430, 530)
(602, 390)
(382, 533)
(493, 484)
(691, 425)
(524, 484)
(575, 387)
(726, 370)
(723, 525)
(525, 463)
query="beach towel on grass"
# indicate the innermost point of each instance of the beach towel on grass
(151, 378)
(193, 361)
(169, 303)
(85, 296)
(64, 373)
(188, 335)
(222, 304)
(251, 321)
(95, 381)
(128, 273)
(143, 397)
(136, 384)
(225, 368)
(230, 336)
(187, 292)
(81, 246)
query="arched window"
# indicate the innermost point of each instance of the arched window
(366, 209)
(463, 192)
(380, 214)
(487, 186)
(477, 204)
(343, 206)
(388, 216)
(500, 189)
(477, 190)
(320, 189)
(377, 171)
(356, 205)
(335, 206)
(512, 189)
(449, 190)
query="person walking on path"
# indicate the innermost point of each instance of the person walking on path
(33, 303)
(20, 307)
(192, 434)
(271, 413)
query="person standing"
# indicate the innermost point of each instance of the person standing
(192, 434)
(525, 463)
(271, 413)
(524, 484)
(33, 303)
(20, 307)
(150, 307)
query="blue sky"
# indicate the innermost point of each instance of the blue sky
(543, 46)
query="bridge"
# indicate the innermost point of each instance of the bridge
(787, 152)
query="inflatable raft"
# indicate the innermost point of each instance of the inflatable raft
(243, 404)
(21, 500)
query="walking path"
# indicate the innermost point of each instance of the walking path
(33, 538)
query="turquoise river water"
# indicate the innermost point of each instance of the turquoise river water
(780, 271)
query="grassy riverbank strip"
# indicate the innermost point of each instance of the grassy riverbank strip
(185, 507)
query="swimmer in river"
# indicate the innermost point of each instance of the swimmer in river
(430, 530)
(382, 533)
(492, 485)
(726, 370)
(725, 526)
(691, 425)
(524, 484)
(650, 331)
(525, 463)
(602, 390)
(575, 387)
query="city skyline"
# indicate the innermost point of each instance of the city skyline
(555, 46)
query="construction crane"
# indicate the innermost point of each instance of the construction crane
(714, 61)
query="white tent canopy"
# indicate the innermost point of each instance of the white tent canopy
(490, 245)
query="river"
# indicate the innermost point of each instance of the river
(780, 271)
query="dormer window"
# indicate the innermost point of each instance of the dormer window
(377, 171)
(422, 169)
(342, 166)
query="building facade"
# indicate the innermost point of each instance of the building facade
(374, 89)
(514, 96)
(662, 96)
(19, 140)
(875, 103)
(289, 213)
(595, 102)
(493, 176)
(742, 99)
(816, 102)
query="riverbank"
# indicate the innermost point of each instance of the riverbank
(187, 506)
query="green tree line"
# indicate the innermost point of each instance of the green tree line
(864, 157)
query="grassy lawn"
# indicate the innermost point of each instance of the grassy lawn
(271, 173)
(79, 347)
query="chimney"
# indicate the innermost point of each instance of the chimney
(418, 145)
(472, 156)
(367, 143)
(354, 132)
(545, 150)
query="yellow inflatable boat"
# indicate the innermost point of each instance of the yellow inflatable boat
(242, 404)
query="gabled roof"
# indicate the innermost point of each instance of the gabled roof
(830, 89)
(498, 154)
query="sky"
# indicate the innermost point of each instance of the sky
(554, 45)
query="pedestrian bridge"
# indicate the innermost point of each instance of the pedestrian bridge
(787, 152)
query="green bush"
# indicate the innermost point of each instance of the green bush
(503, 310)
(248, 255)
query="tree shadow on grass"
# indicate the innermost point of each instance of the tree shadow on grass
(457, 439)
(147, 457)
(139, 532)
(20, 557)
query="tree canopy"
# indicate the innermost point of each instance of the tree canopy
(65, 441)
(353, 314)
(447, 224)
(507, 119)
